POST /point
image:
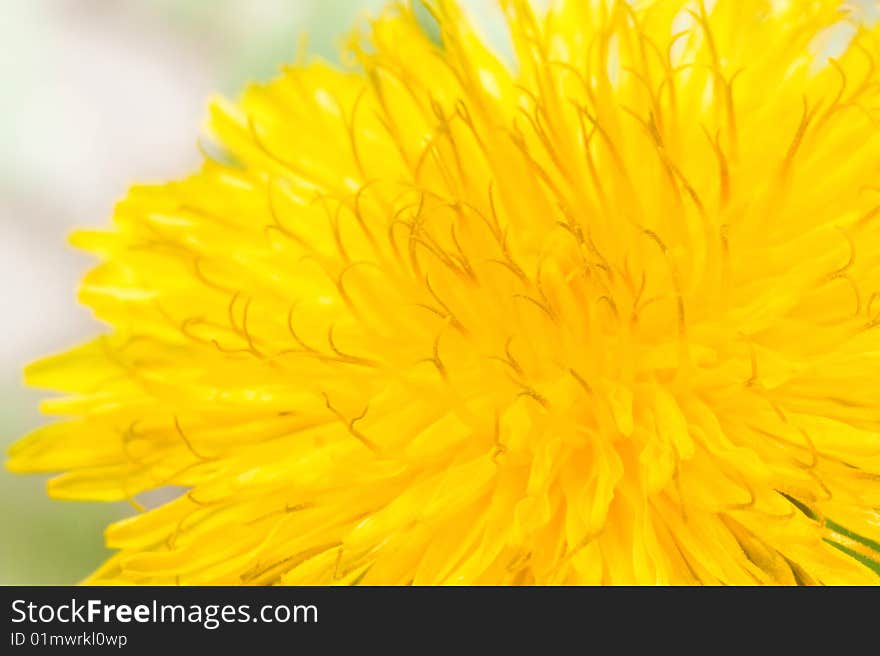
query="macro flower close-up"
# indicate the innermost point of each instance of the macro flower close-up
(597, 305)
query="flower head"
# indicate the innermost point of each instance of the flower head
(609, 313)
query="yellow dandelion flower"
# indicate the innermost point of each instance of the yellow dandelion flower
(609, 313)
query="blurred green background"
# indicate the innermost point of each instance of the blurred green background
(98, 94)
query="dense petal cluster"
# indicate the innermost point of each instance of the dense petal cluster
(608, 313)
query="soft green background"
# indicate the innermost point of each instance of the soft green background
(97, 94)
